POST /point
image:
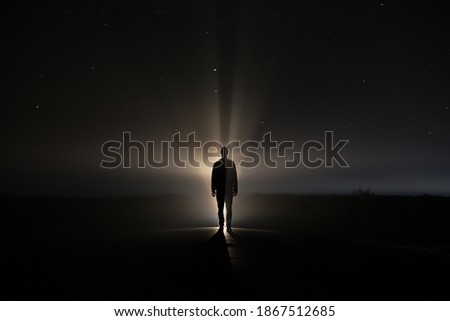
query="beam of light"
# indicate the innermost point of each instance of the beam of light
(226, 39)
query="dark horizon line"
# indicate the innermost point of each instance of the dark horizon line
(353, 194)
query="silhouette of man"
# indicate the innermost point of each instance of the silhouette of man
(224, 185)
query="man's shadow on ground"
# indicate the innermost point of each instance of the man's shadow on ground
(216, 252)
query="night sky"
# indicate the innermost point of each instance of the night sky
(374, 72)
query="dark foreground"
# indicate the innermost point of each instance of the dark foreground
(60, 256)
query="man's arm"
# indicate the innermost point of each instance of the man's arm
(213, 182)
(235, 180)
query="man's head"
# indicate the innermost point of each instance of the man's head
(224, 152)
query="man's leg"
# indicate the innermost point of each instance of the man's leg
(229, 202)
(220, 196)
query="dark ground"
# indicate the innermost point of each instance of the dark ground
(362, 247)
